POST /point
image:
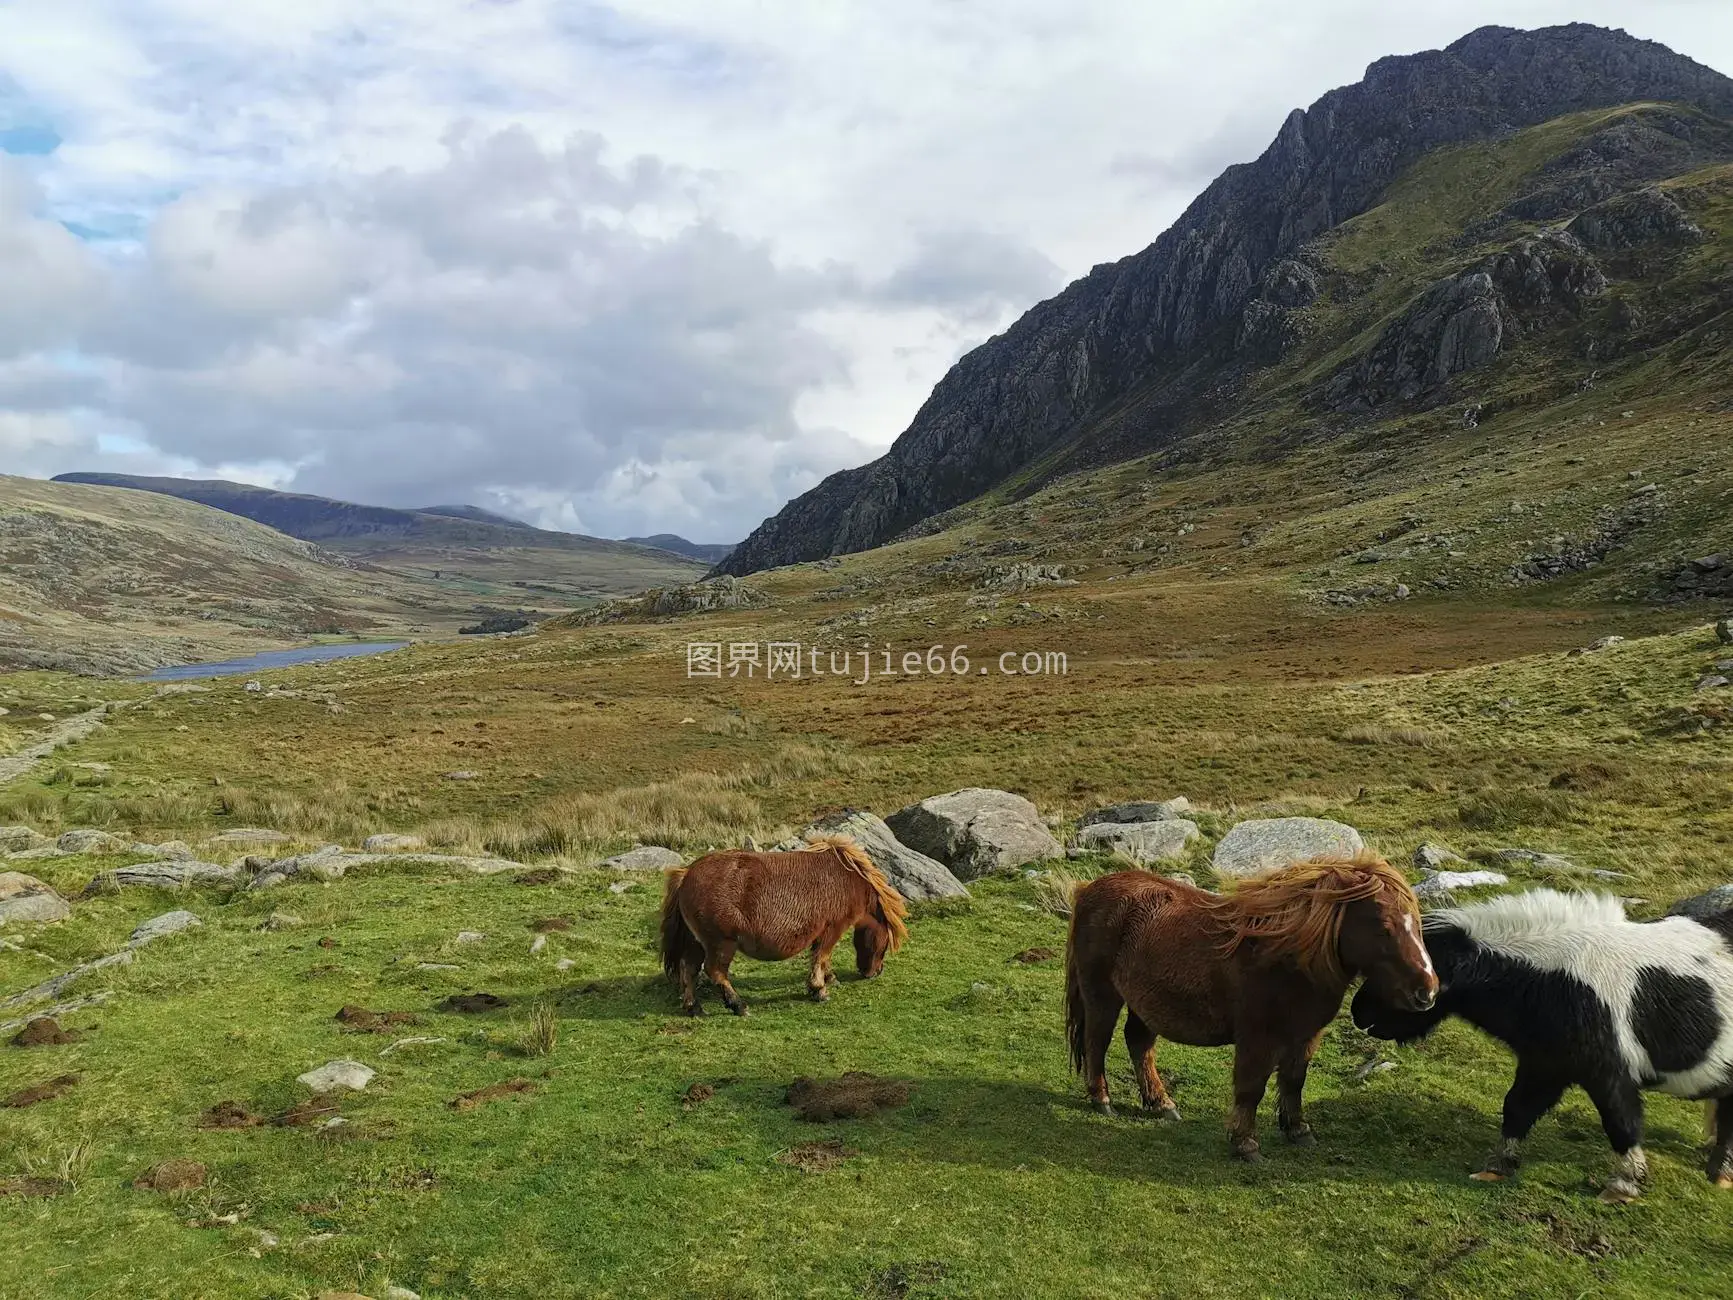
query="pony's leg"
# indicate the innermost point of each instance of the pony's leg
(819, 977)
(1532, 1094)
(1100, 1017)
(1140, 1042)
(1252, 1067)
(716, 967)
(690, 961)
(1290, 1092)
(1621, 1108)
(1721, 1145)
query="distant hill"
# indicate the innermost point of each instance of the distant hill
(472, 512)
(94, 579)
(709, 552)
(480, 554)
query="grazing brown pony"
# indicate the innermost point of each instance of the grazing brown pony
(772, 906)
(1263, 967)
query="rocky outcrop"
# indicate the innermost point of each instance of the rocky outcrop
(1461, 322)
(25, 898)
(665, 602)
(1144, 843)
(171, 874)
(915, 876)
(975, 832)
(1254, 846)
(1139, 810)
(1149, 318)
(1645, 216)
(647, 857)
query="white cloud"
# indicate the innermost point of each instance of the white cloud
(635, 268)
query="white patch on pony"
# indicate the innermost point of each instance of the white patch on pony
(1425, 957)
(1588, 937)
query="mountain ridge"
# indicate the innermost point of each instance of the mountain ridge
(1167, 318)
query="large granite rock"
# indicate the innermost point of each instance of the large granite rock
(1137, 811)
(90, 841)
(25, 898)
(20, 839)
(916, 876)
(1145, 843)
(975, 832)
(160, 927)
(172, 874)
(1254, 846)
(1139, 331)
(646, 857)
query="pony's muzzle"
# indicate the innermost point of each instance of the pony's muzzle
(1423, 1000)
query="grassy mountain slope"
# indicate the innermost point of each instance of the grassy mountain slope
(107, 580)
(472, 552)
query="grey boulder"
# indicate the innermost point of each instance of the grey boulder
(1435, 857)
(329, 1077)
(646, 857)
(1137, 811)
(975, 832)
(1711, 902)
(88, 841)
(1442, 884)
(172, 874)
(391, 843)
(160, 927)
(1142, 842)
(1254, 846)
(19, 839)
(914, 875)
(25, 898)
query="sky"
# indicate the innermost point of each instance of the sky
(649, 267)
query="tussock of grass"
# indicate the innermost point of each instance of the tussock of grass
(1503, 810)
(1373, 734)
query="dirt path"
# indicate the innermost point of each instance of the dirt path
(75, 728)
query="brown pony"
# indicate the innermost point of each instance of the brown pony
(772, 906)
(1263, 967)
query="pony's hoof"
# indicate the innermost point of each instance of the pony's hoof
(1167, 1115)
(1301, 1137)
(1725, 1182)
(740, 1010)
(1102, 1108)
(1248, 1152)
(1488, 1176)
(820, 994)
(1620, 1191)
(693, 1010)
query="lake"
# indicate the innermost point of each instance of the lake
(306, 654)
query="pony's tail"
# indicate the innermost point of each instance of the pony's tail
(1074, 1005)
(677, 938)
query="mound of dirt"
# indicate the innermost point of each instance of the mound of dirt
(697, 1095)
(1029, 956)
(44, 1032)
(360, 1020)
(31, 1186)
(493, 1092)
(179, 1175)
(39, 1092)
(472, 1004)
(229, 1114)
(854, 1096)
(816, 1157)
(552, 925)
(540, 876)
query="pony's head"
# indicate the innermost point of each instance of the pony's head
(1451, 953)
(879, 929)
(1338, 917)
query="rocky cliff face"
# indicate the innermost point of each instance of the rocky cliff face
(1221, 276)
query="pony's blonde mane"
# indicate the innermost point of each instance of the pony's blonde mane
(854, 859)
(1296, 911)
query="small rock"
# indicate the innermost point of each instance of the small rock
(621, 886)
(1711, 681)
(391, 843)
(538, 943)
(1441, 884)
(1605, 643)
(253, 687)
(400, 1293)
(337, 1074)
(160, 927)
(1434, 857)
(1374, 1066)
(436, 965)
(1724, 631)
(25, 898)
(564, 964)
(649, 857)
(462, 776)
(88, 841)
(470, 936)
(280, 921)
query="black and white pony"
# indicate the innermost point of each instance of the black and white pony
(1584, 996)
